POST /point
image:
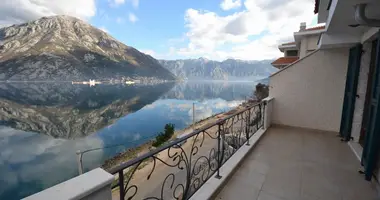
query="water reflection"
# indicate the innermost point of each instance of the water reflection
(209, 90)
(44, 125)
(71, 111)
(30, 162)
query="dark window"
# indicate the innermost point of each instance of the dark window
(329, 5)
(292, 53)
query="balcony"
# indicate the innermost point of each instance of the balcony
(236, 157)
(298, 164)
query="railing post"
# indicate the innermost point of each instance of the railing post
(220, 160)
(121, 184)
(258, 119)
(263, 116)
(79, 161)
(247, 126)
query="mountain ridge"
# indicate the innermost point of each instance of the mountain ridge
(66, 48)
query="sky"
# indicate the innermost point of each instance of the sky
(180, 29)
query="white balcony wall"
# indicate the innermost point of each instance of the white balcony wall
(268, 112)
(310, 92)
(94, 185)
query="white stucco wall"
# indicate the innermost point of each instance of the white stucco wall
(310, 92)
(361, 91)
(312, 42)
(303, 47)
(308, 43)
(268, 112)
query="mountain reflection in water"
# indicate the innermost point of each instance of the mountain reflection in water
(72, 111)
(43, 125)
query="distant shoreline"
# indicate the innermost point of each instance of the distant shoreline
(134, 152)
(189, 80)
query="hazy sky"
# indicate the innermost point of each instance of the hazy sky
(171, 29)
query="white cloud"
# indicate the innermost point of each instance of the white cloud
(227, 104)
(120, 20)
(251, 34)
(135, 3)
(149, 106)
(24, 149)
(118, 2)
(19, 11)
(149, 52)
(200, 113)
(103, 29)
(230, 4)
(132, 18)
(115, 3)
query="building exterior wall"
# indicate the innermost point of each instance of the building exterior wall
(312, 42)
(361, 91)
(308, 43)
(310, 92)
(303, 47)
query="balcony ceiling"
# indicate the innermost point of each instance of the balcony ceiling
(341, 15)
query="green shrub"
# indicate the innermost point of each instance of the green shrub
(164, 136)
(261, 92)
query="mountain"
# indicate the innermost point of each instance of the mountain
(66, 48)
(72, 111)
(229, 69)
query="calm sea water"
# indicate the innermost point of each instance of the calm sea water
(43, 125)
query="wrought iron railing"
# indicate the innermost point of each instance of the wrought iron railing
(179, 168)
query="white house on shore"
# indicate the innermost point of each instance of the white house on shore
(305, 42)
(328, 85)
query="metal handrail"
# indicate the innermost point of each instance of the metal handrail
(232, 132)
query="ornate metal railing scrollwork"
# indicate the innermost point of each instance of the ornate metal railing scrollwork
(179, 168)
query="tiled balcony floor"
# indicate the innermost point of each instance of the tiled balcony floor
(298, 164)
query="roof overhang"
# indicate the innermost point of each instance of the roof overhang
(283, 61)
(341, 15)
(284, 47)
(323, 12)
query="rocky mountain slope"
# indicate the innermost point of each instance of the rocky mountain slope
(66, 48)
(230, 69)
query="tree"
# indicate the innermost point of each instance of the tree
(163, 137)
(261, 92)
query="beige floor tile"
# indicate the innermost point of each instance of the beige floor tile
(238, 191)
(267, 196)
(299, 164)
(258, 166)
(248, 177)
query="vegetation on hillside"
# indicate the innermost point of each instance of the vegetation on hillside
(164, 136)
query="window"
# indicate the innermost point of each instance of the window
(292, 53)
(329, 5)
